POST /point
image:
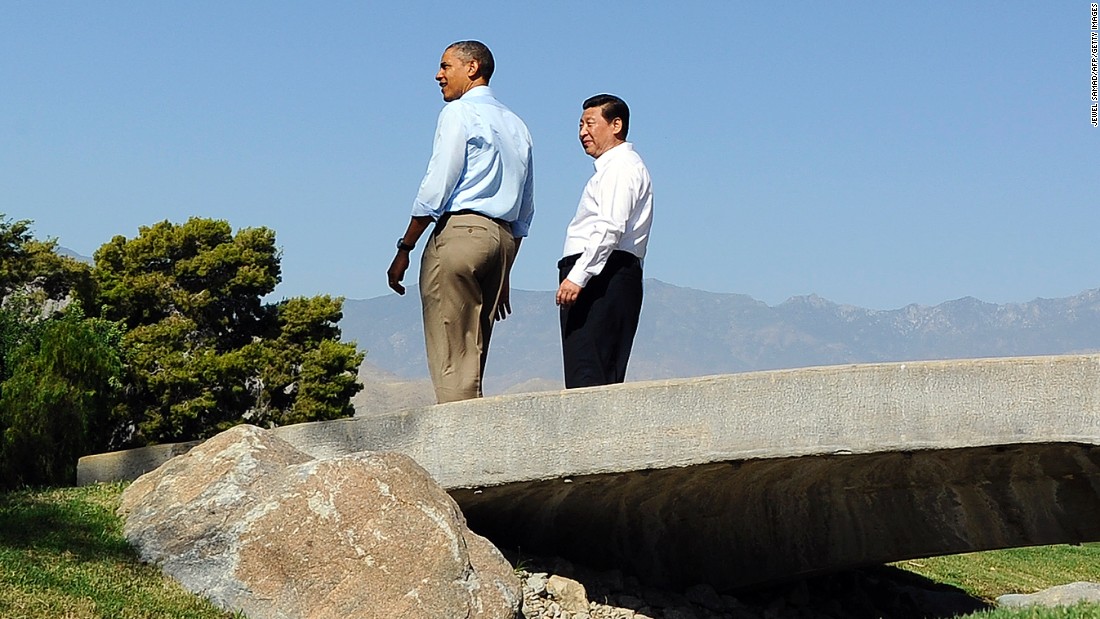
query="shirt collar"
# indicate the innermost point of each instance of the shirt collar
(611, 153)
(478, 91)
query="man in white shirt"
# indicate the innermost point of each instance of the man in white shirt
(600, 294)
(479, 191)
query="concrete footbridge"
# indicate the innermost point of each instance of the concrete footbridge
(748, 478)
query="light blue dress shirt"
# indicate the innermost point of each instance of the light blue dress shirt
(481, 160)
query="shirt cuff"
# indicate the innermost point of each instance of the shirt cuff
(420, 210)
(578, 276)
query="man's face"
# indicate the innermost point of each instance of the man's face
(596, 134)
(454, 75)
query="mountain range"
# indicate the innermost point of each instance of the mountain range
(686, 332)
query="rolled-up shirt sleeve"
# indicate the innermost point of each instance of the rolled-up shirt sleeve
(445, 167)
(527, 202)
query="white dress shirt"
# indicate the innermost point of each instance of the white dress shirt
(615, 212)
(481, 160)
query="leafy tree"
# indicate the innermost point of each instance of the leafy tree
(304, 370)
(34, 270)
(199, 271)
(206, 353)
(15, 327)
(57, 402)
(34, 282)
(59, 371)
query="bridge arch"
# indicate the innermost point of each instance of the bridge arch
(747, 478)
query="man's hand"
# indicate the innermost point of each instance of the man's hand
(400, 264)
(567, 293)
(396, 272)
(504, 305)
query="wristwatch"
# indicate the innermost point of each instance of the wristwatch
(403, 247)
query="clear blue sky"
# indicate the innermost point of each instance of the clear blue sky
(874, 153)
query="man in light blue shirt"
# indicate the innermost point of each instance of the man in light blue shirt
(479, 191)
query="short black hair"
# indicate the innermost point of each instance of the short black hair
(611, 107)
(476, 50)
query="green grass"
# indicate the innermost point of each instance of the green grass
(1018, 570)
(62, 556)
(987, 575)
(1079, 611)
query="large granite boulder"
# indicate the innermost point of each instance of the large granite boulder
(250, 522)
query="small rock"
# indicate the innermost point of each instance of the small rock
(681, 612)
(730, 603)
(705, 596)
(570, 594)
(537, 583)
(776, 610)
(1062, 595)
(660, 599)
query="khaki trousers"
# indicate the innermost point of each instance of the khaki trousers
(462, 273)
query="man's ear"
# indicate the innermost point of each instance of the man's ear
(616, 126)
(473, 69)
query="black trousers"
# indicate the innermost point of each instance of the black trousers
(597, 331)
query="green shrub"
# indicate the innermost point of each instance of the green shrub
(63, 378)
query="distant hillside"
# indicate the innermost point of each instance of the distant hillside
(65, 251)
(384, 391)
(525, 346)
(686, 332)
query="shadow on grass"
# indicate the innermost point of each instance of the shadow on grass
(48, 522)
(872, 592)
(868, 593)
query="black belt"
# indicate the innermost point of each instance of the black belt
(502, 222)
(617, 258)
